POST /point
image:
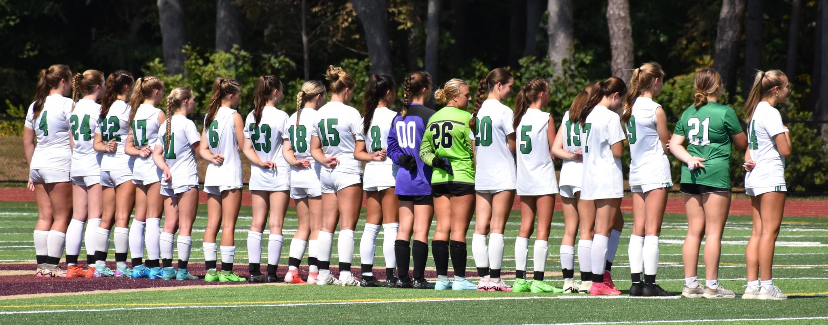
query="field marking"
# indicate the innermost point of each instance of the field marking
(93, 292)
(698, 320)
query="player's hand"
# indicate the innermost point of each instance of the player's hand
(695, 162)
(442, 163)
(330, 162)
(378, 156)
(146, 151)
(111, 146)
(217, 160)
(30, 186)
(578, 155)
(750, 165)
(302, 164)
(268, 165)
(167, 175)
(408, 162)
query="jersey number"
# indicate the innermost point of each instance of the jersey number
(753, 142)
(587, 130)
(138, 125)
(298, 140)
(212, 134)
(330, 131)
(483, 132)
(169, 151)
(631, 130)
(43, 126)
(442, 134)
(573, 134)
(83, 127)
(108, 133)
(406, 134)
(257, 134)
(692, 135)
(376, 138)
(526, 146)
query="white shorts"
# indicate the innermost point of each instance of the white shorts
(173, 192)
(146, 177)
(569, 191)
(333, 181)
(379, 176)
(46, 176)
(756, 191)
(301, 193)
(644, 188)
(86, 180)
(492, 191)
(114, 178)
(270, 180)
(375, 188)
(216, 190)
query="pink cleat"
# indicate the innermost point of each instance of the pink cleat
(483, 284)
(601, 289)
(608, 280)
(498, 285)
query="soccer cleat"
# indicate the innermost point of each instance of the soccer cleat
(123, 271)
(182, 275)
(654, 290)
(772, 293)
(41, 271)
(585, 287)
(608, 280)
(483, 284)
(696, 292)
(465, 284)
(326, 279)
(373, 283)
(257, 278)
(570, 286)
(168, 273)
(348, 280)
(602, 289)
(54, 271)
(89, 272)
(390, 282)
(211, 276)
(498, 285)
(292, 276)
(422, 284)
(101, 271)
(752, 292)
(155, 273)
(312, 277)
(272, 278)
(404, 284)
(718, 293)
(230, 276)
(521, 285)
(636, 289)
(140, 271)
(74, 271)
(541, 286)
(442, 285)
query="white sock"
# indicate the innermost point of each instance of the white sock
(41, 241)
(712, 284)
(367, 245)
(691, 282)
(612, 245)
(313, 249)
(480, 251)
(151, 238)
(274, 249)
(166, 245)
(297, 250)
(636, 252)
(185, 245)
(650, 255)
(102, 243)
(228, 254)
(521, 252)
(599, 254)
(136, 239)
(496, 251)
(767, 284)
(568, 257)
(254, 247)
(345, 246)
(585, 255)
(541, 251)
(209, 250)
(121, 238)
(90, 235)
(389, 238)
(55, 243)
(323, 246)
(754, 283)
(74, 236)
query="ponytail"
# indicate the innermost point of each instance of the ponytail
(264, 88)
(221, 88)
(642, 80)
(478, 102)
(310, 89)
(494, 77)
(49, 79)
(529, 94)
(413, 86)
(596, 94)
(76, 89)
(377, 88)
(706, 83)
(579, 103)
(174, 101)
(115, 85)
(763, 84)
(144, 88)
(602, 89)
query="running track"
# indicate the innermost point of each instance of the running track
(674, 205)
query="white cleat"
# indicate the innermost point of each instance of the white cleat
(326, 280)
(347, 280)
(771, 294)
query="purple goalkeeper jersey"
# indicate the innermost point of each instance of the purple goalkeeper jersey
(404, 138)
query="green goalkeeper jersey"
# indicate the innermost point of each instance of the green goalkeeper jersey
(708, 130)
(448, 135)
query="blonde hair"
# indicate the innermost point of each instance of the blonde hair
(84, 84)
(339, 79)
(450, 90)
(221, 87)
(642, 80)
(706, 83)
(310, 89)
(143, 89)
(174, 100)
(763, 83)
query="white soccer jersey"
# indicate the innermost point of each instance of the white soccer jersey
(571, 170)
(535, 168)
(495, 168)
(145, 133)
(221, 138)
(83, 122)
(379, 173)
(268, 135)
(115, 126)
(770, 165)
(179, 155)
(300, 139)
(339, 129)
(602, 178)
(51, 128)
(648, 162)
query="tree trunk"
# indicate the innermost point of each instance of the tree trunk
(458, 31)
(816, 73)
(560, 31)
(753, 44)
(228, 25)
(823, 71)
(134, 32)
(173, 34)
(432, 38)
(621, 42)
(517, 27)
(793, 35)
(534, 12)
(305, 54)
(727, 38)
(373, 15)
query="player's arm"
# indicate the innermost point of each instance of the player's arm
(783, 143)
(678, 150)
(661, 128)
(551, 137)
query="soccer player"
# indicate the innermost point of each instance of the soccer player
(702, 140)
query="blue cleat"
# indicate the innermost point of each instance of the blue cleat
(140, 271)
(168, 273)
(155, 273)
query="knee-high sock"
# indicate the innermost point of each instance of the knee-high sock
(635, 252)
(323, 249)
(650, 255)
(228, 254)
(274, 249)
(612, 245)
(440, 253)
(185, 245)
(389, 237)
(101, 245)
(585, 259)
(599, 256)
(459, 256)
(41, 242)
(480, 252)
(367, 246)
(210, 257)
(121, 245)
(540, 254)
(495, 254)
(567, 257)
(90, 234)
(136, 239)
(165, 241)
(402, 252)
(254, 247)
(521, 253)
(152, 240)
(74, 236)
(345, 248)
(419, 252)
(297, 251)
(313, 245)
(54, 245)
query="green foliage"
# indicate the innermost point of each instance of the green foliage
(359, 69)
(12, 125)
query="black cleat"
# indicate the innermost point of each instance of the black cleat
(257, 278)
(654, 290)
(372, 283)
(423, 284)
(272, 278)
(637, 289)
(390, 283)
(405, 284)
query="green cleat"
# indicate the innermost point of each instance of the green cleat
(521, 285)
(541, 286)
(230, 276)
(211, 276)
